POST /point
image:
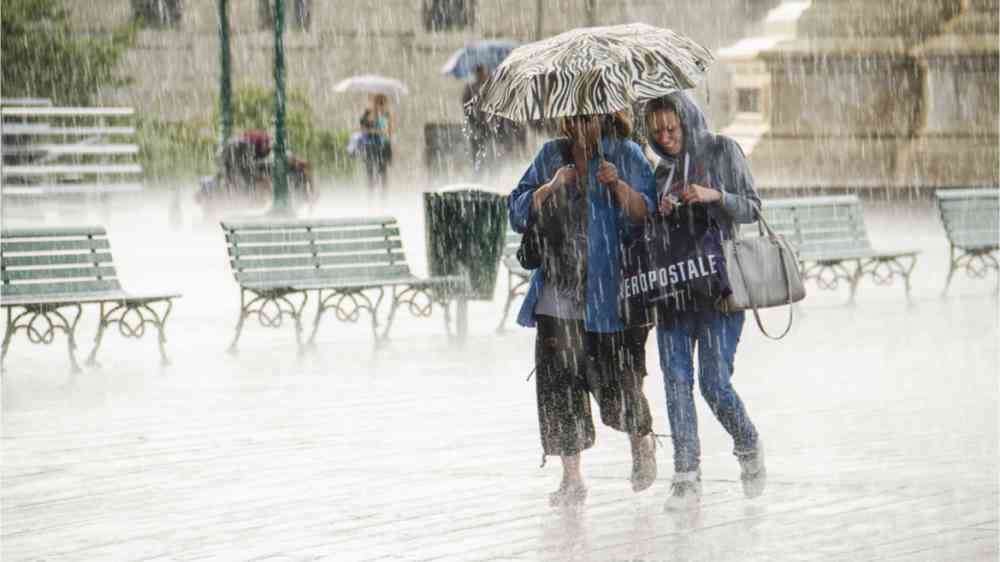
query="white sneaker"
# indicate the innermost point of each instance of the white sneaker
(685, 492)
(753, 473)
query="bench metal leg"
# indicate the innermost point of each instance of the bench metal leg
(829, 274)
(854, 281)
(461, 318)
(71, 337)
(347, 306)
(40, 324)
(132, 318)
(239, 323)
(8, 333)
(446, 309)
(101, 325)
(513, 291)
(976, 263)
(906, 277)
(884, 269)
(271, 308)
(418, 299)
(952, 267)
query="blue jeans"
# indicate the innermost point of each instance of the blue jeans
(716, 334)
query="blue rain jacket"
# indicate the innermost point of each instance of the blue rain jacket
(607, 228)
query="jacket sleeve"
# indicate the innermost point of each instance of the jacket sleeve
(519, 202)
(739, 198)
(641, 179)
(638, 174)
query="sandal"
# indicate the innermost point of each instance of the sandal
(565, 496)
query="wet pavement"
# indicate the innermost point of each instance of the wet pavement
(880, 422)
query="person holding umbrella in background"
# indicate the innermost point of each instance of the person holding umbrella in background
(491, 138)
(377, 123)
(378, 127)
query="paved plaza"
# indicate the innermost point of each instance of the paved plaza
(880, 422)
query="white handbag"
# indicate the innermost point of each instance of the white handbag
(763, 272)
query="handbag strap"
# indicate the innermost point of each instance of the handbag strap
(784, 271)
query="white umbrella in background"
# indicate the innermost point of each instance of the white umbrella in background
(372, 84)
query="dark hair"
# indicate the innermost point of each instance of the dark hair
(661, 104)
(617, 124)
(664, 103)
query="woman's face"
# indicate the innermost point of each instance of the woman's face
(665, 127)
(584, 131)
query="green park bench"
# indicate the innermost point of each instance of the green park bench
(831, 241)
(49, 270)
(350, 263)
(517, 277)
(971, 219)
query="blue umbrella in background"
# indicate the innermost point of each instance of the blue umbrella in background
(488, 52)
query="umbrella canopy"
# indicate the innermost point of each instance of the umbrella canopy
(592, 70)
(488, 52)
(372, 84)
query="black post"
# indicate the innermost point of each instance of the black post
(225, 77)
(279, 175)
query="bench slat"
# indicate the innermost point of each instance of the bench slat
(819, 235)
(293, 249)
(67, 111)
(41, 129)
(63, 169)
(300, 236)
(964, 194)
(71, 188)
(289, 224)
(344, 274)
(58, 273)
(832, 250)
(976, 240)
(85, 297)
(793, 221)
(969, 206)
(25, 289)
(822, 201)
(64, 149)
(988, 218)
(56, 259)
(57, 245)
(53, 232)
(318, 261)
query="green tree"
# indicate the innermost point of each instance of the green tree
(43, 57)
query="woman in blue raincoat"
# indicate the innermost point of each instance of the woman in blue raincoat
(581, 344)
(723, 191)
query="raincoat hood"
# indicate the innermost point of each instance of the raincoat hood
(697, 138)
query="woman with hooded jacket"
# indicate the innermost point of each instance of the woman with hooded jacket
(581, 344)
(683, 146)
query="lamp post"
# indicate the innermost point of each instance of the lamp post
(279, 176)
(225, 77)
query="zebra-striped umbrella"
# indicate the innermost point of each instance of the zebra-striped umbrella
(593, 70)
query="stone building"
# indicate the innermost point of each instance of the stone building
(849, 95)
(175, 67)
